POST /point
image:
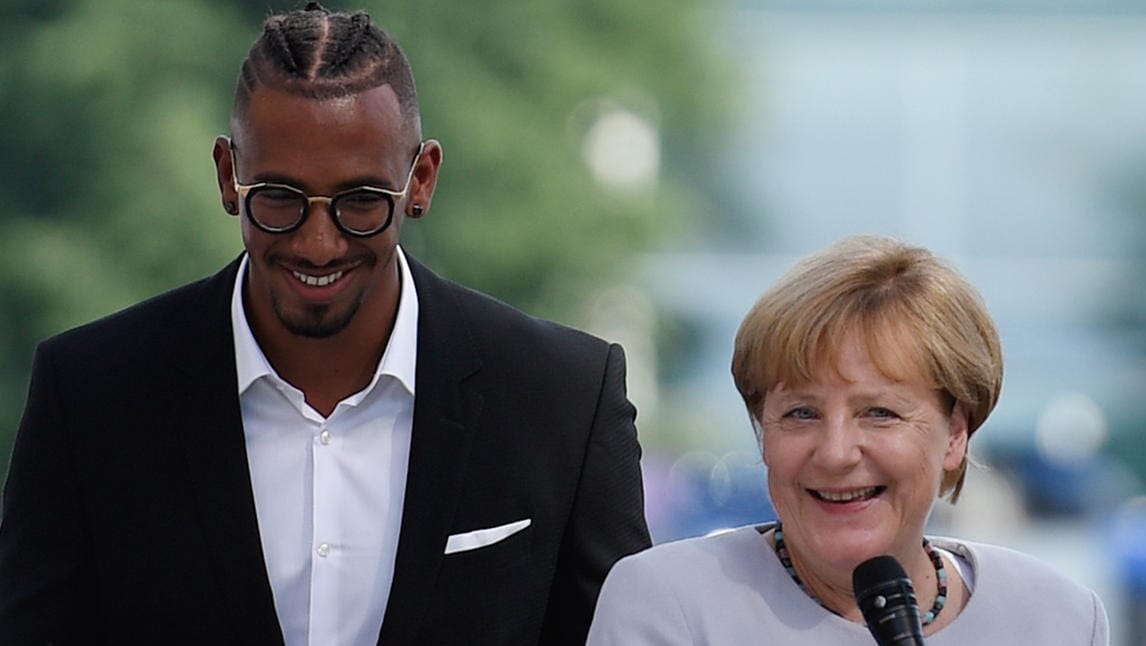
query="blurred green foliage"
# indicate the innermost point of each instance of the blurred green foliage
(109, 110)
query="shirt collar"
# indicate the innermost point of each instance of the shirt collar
(399, 360)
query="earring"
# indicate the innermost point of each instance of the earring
(231, 207)
(416, 211)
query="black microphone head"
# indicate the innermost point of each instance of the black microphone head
(876, 571)
(887, 600)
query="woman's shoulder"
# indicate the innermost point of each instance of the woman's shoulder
(1015, 589)
(995, 565)
(698, 556)
(726, 588)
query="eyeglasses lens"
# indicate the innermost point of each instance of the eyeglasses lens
(278, 209)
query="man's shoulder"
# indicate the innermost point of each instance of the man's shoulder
(491, 318)
(160, 316)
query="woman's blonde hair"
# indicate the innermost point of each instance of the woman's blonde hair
(917, 316)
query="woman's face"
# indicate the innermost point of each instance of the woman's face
(855, 460)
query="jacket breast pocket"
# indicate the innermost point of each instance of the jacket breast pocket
(498, 546)
(498, 591)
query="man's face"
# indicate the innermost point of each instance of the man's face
(314, 281)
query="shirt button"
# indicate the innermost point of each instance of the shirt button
(323, 550)
(324, 437)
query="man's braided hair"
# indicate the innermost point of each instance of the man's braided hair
(322, 54)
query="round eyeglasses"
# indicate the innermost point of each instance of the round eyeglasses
(280, 208)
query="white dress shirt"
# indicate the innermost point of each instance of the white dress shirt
(329, 491)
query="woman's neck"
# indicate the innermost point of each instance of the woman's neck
(832, 588)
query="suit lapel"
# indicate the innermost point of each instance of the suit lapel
(445, 413)
(207, 421)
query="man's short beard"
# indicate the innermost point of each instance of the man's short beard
(316, 322)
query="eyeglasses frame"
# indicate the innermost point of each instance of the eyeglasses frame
(244, 191)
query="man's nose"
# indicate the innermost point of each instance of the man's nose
(319, 240)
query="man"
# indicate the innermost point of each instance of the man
(324, 443)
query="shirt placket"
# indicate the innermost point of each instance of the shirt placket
(326, 549)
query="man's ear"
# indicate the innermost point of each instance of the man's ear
(425, 179)
(225, 174)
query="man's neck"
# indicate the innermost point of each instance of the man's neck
(329, 369)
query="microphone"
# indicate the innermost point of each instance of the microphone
(887, 601)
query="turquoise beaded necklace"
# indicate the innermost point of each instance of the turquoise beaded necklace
(932, 553)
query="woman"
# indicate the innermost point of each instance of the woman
(865, 370)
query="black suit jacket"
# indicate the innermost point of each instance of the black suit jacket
(128, 515)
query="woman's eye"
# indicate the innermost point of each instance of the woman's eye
(881, 412)
(801, 412)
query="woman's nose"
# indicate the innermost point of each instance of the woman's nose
(839, 445)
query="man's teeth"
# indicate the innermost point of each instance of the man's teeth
(317, 281)
(847, 496)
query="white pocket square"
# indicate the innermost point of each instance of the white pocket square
(482, 537)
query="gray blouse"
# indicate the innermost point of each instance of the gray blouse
(731, 589)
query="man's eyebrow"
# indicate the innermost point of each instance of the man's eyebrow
(355, 182)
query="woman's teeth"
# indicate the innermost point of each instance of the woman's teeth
(847, 496)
